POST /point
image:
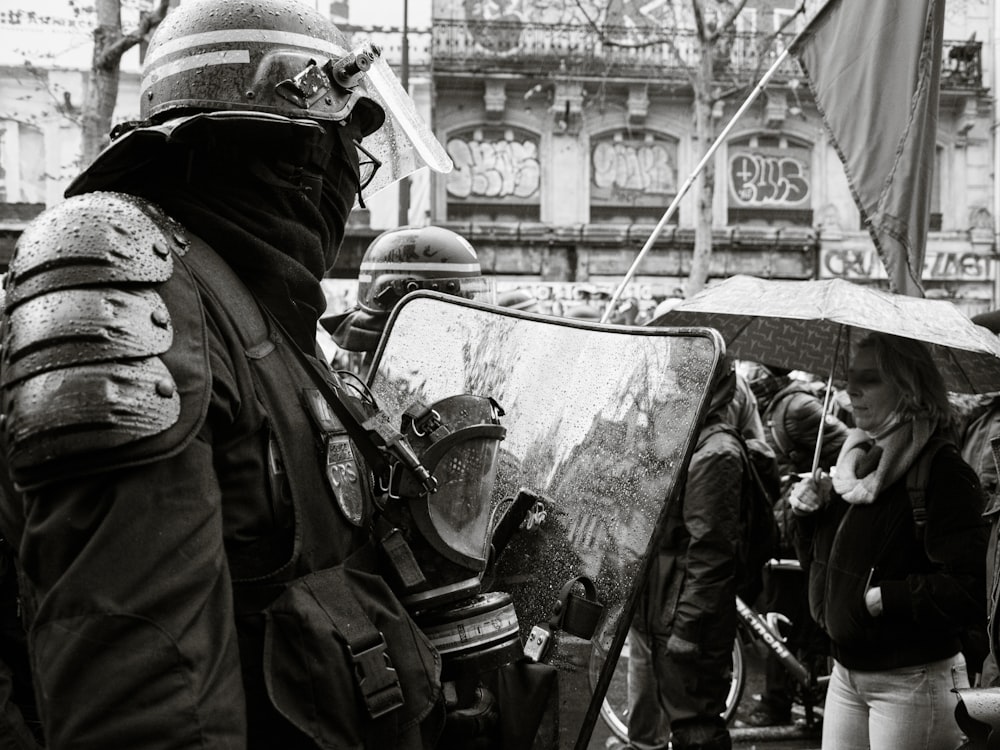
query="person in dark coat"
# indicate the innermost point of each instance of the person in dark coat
(682, 637)
(792, 415)
(894, 589)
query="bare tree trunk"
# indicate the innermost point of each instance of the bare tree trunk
(705, 184)
(110, 43)
(102, 84)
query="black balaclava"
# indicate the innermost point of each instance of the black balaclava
(255, 204)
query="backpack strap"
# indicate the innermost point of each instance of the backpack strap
(708, 430)
(775, 415)
(916, 482)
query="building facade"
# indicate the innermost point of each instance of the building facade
(570, 123)
(571, 129)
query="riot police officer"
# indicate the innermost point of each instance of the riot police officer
(193, 514)
(400, 261)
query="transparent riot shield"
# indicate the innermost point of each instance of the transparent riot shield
(599, 425)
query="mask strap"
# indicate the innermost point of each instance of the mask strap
(347, 134)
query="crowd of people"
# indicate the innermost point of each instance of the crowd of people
(887, 522)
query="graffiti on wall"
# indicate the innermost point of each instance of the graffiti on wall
(650, 14)
(494, 165)
(765, 177)
(637, 172)
(499, 24)
(864, 263)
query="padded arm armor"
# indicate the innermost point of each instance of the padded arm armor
(84, 331)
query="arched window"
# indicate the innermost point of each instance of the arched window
(497, 175)
(633, 176)
(769, 181)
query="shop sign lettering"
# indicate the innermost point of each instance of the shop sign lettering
(864, 263)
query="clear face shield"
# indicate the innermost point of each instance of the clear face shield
(405, 142)
(389, 291)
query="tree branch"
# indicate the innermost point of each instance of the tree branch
(60, 104)
(112, 54)
(765, 42)
(730, 19)
(666, 39)
(699, 19)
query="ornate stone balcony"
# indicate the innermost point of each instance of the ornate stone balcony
(467, 47)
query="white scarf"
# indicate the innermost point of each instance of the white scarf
(893, 449)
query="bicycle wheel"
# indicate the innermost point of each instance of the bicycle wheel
(615, 707)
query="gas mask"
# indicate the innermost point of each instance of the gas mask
(439, 543)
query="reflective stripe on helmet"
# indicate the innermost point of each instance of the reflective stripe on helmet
(155, 69)
(368, 269)
(208, 59)
(244, 36)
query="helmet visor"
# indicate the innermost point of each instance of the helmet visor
(390, 291)
(405, 142)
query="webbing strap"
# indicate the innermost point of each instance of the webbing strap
(776, 413)
(249, 318)
(374, 672)
(916, 482)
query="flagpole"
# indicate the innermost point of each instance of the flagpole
(682, 191)
(672, 208)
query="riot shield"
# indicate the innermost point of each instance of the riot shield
(600, 423)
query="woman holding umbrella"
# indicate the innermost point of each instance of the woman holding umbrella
(893, 592)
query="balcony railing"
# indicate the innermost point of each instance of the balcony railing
(484, 47)
(962, 67)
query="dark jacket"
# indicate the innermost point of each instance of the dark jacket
(933, 586)
(180, 583)
(792, 417)
(692, 589)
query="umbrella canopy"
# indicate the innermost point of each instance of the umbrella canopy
(810, 325)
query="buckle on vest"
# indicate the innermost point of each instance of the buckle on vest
(377, 679)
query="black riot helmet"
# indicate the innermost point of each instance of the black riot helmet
(404, 260)
(264, 56)
(215, 68)
(400, 261)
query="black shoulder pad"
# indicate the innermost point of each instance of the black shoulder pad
(87, 336)
(92, 238)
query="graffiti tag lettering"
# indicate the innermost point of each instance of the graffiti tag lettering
(759, 179)
(646, 167)
(493, 169)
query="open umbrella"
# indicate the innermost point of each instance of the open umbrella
(810, 325)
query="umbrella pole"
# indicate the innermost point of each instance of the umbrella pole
(826, 405)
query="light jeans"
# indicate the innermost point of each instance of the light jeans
(911, 708)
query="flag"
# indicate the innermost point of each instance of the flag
(874, 68)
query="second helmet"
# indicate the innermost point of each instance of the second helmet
(404, 260)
